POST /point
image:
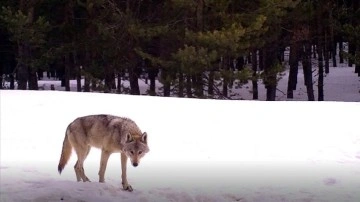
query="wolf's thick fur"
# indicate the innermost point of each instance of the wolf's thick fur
(111, 134)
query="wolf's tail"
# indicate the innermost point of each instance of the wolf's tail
(66, 153)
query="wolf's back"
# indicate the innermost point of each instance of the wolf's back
(127, 125)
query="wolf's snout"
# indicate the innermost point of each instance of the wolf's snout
(135, 164)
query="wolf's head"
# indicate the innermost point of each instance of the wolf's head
(135, 148)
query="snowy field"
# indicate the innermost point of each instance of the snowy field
(200, 150)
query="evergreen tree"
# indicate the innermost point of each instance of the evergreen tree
(29, 32)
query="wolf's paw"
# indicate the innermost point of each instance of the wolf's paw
(127, 187)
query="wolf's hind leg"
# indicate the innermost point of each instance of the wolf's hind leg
(78, 178)
(79, 166)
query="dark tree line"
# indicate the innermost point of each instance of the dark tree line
(195, 48)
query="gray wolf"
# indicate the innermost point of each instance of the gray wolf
(111, 134)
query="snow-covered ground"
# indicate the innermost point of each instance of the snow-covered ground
(200, 150)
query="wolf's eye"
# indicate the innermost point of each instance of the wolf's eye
(132, 152)
(140, 152)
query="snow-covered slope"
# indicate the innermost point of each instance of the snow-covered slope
(200, 150)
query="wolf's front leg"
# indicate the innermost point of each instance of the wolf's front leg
(103, 162)
(125, 183)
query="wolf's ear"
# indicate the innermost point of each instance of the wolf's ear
(144, 137)
(129, 138)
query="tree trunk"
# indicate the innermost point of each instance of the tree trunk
(152, 86)
(188, 86)
(134, 82)
(1, 78)
(78, 72)
(281, 55)
(181, 84)
(307, 68)
(12, 81)
(109, 78)
(352, 50)
(40, 74)
(314, 51)
(67, 72)
(326, 53)
(60, 65)
(165, 76)
(341, 49)
(270, 93)
(198, 77)
(87, 65)
(152, 73)
(22, 70)
(118, 83)
(355, 51)
(255, 90)
(261, 60)
(225, 67)
(294, 68)
(198, 84)
(78, 78)
(321, 70)
(211, 84)
(357, 65)
(321, 44)
(270, 80)
(356, 6)
(332, 41)
(333, 53)
(225, 87)
(33, 80)
(86, 84)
